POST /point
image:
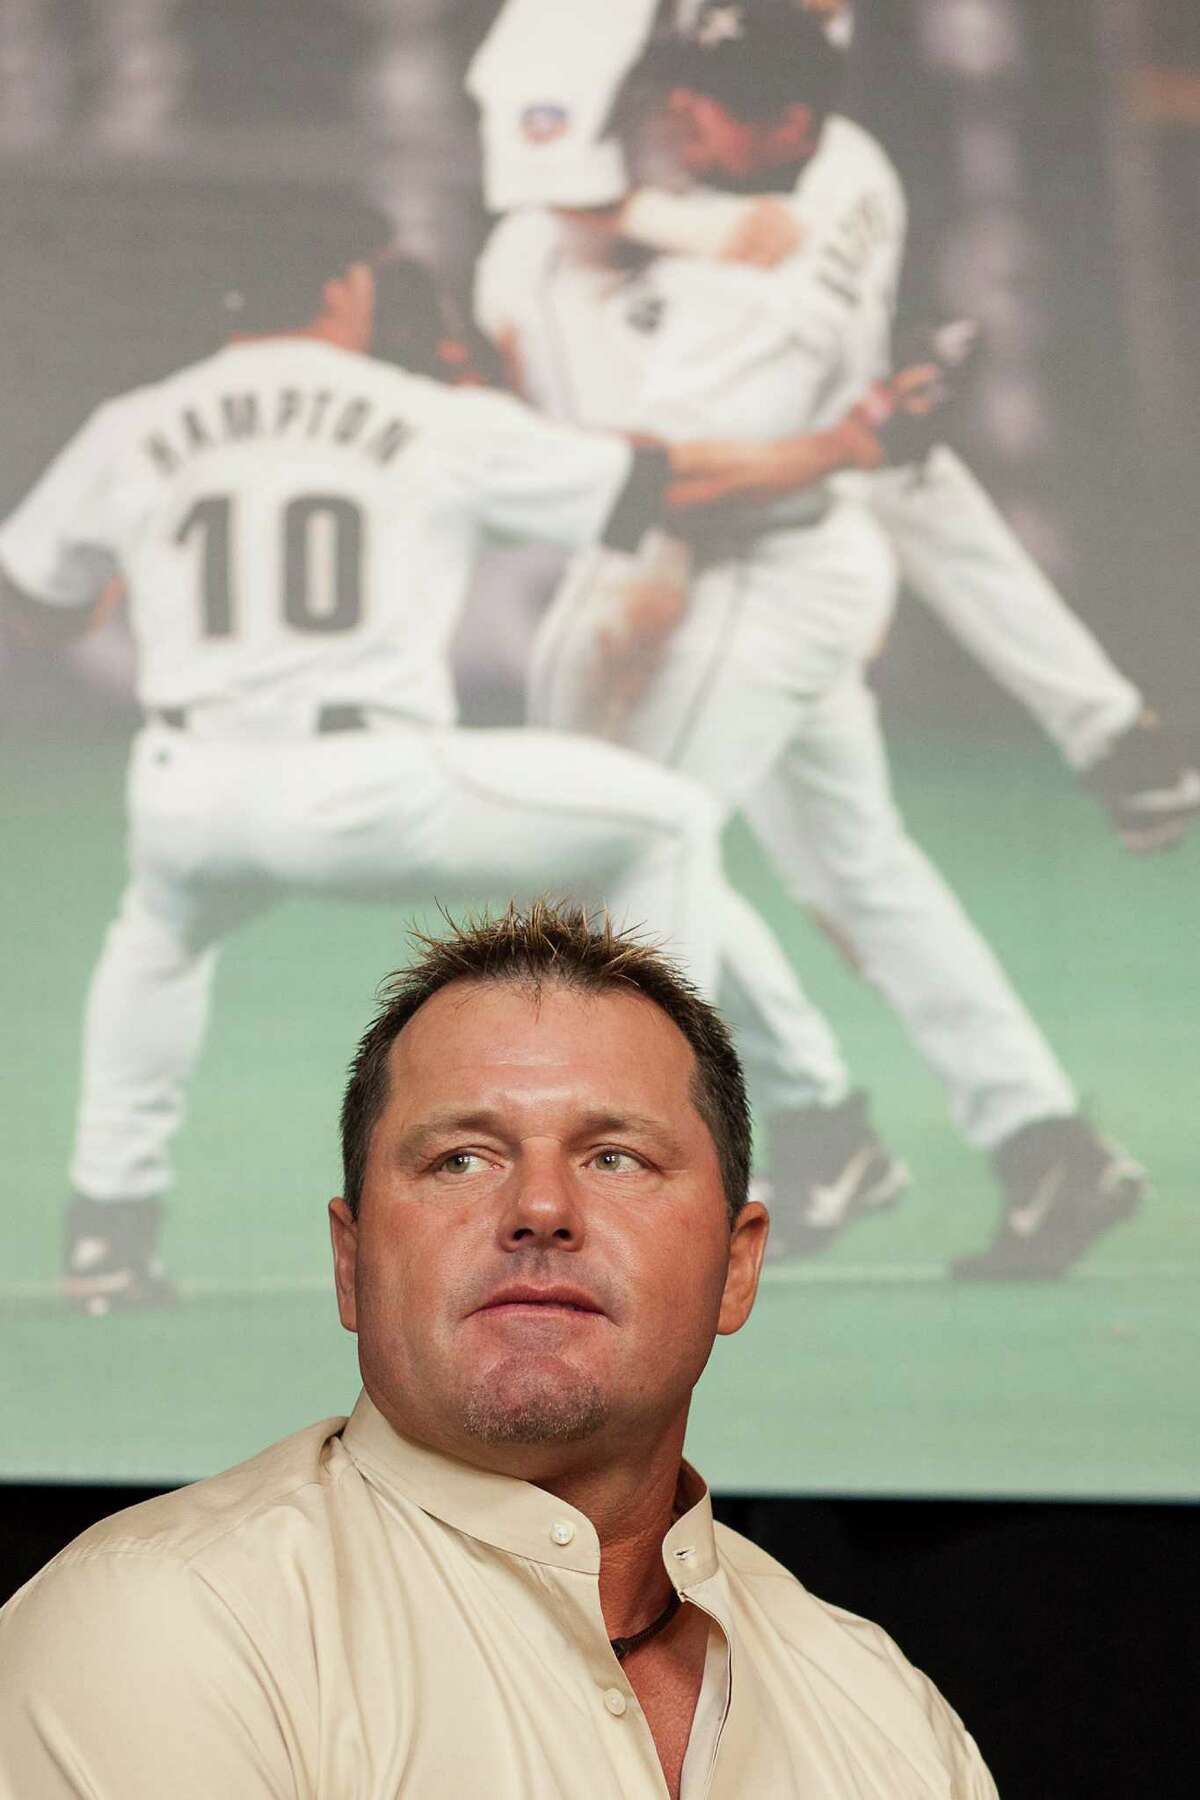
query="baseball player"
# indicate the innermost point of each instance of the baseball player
(954, 549)
(760, 691)
(296, 522)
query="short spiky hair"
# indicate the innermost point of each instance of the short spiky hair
(559, 943)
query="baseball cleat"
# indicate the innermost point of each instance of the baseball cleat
(111, 1261)
(1150, 783)
(834, 1167)
(1064, 1186)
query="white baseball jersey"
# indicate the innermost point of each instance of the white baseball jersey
(685, 347)
(297, 524)
(759, 693)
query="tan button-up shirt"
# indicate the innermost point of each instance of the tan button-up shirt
(354, 1616)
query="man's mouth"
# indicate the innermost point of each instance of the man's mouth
(529, 1298)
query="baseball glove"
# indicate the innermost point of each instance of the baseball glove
(914, 410)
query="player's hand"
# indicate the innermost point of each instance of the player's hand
(113, 596)
(766, 233)
(904, 415)
(650, 601)
(911, 412)
(29, 624)
(649, 614)
(653, 596)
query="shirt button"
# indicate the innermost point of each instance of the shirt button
(614, 1699)
(562, 1531)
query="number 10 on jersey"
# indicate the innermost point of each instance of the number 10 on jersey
(320, 562)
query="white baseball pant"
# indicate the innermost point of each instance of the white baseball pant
(761, 697)
(221, 827)
(961, 557)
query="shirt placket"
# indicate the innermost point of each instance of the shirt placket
(620, 1724)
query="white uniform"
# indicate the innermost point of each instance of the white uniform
(297, 526)
(956, 552)
(761, 692)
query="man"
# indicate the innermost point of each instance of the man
(760, 692)
(296, 522)
(498, 1577)
(955, 550)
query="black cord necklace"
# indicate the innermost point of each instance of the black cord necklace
(621, 1646)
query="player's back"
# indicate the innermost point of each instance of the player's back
(768, 352)
(292, 521)
(854, 219)
(850, 165)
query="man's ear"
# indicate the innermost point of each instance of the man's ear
(343, 1233)
(746, 1247)
(347, 314)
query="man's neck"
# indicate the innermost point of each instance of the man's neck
(326, 329)
(775, 178)
(627, 1488)
(632, 1507)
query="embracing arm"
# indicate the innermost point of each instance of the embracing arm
(877, 431)
(758, 229)
(709, 473)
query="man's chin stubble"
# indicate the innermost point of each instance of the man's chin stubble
(563, 1417)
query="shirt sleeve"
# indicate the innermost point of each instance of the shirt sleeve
(969, 1774)
(529, 478)
(59, 546)
(127, 1677)
(544, 79)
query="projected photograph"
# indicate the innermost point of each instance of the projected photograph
(733, 462)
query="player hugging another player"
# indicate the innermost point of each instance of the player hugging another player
(755, 297)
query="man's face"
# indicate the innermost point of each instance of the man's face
(542, 1255)
(417, 326)
(348, 307)
(713, 142)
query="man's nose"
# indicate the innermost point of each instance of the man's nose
(542, 1203)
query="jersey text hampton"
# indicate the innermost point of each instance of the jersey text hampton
(282, 412)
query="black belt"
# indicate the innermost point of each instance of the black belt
(712, 539)
(328, 718)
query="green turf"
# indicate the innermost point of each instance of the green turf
(868, 1374)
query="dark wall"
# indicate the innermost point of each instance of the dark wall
(1067, 1636)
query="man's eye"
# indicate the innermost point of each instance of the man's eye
(461, 1162)
(617, 1161)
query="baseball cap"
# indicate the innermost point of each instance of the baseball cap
(754, 57)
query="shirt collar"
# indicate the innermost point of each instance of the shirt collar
(514, 1515)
